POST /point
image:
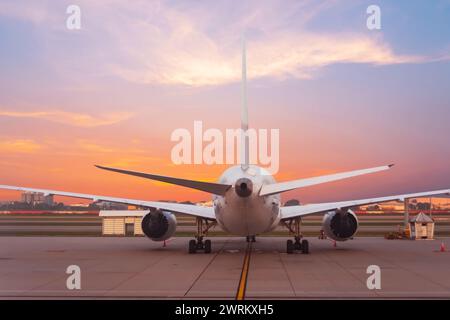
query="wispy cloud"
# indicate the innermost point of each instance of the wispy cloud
(290, 55)
(71, 118)
(101, 147)
(19, 146)
(181, 51)
(35, 13)
(156, 42)
(93, 147)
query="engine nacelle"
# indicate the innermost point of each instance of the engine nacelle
(159, 225)
(340, 225)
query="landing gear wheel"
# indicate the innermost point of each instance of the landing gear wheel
(207, 246)
(305, 246)
(293, 225)
(251, 238)
(192, 246)
(297, 244)
(203, 225)
(289, 247)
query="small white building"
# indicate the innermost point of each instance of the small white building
(422, 227)
(122, 222)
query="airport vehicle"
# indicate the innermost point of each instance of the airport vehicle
(246, 201)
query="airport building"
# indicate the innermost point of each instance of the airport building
(122, 222)
(422, 227)
(107, 205)
(35, 198)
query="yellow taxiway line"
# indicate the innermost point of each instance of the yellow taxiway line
(240, 295)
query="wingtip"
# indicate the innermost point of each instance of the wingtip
(391, 165)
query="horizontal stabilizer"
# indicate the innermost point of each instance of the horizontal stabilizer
(275, 188)
(214, 188)
(307, 209)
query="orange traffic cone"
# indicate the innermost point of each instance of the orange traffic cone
(442, 249)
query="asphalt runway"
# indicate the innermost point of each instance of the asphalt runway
(135, 267)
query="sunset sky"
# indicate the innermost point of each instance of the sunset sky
(343, 97)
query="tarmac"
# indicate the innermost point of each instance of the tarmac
(136, 267)
(91, 225)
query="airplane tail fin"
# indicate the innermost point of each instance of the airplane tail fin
(244, 112)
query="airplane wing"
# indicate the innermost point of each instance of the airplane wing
(193, 210)
(275, 188)
(303, 210)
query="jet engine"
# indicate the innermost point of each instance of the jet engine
(159, 225)
(340, 225)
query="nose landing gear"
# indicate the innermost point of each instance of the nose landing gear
(298, 244)
(203, 225)
(251, 238)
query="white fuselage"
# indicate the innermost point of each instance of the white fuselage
(247, 215)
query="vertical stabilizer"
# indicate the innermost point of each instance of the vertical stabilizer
(244, 111)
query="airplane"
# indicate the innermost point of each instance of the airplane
(246, 201)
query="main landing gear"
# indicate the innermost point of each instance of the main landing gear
(203, 225)
(298, 244)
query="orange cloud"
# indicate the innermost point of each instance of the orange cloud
(19, 146)
(71, 118)
(95, 148)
